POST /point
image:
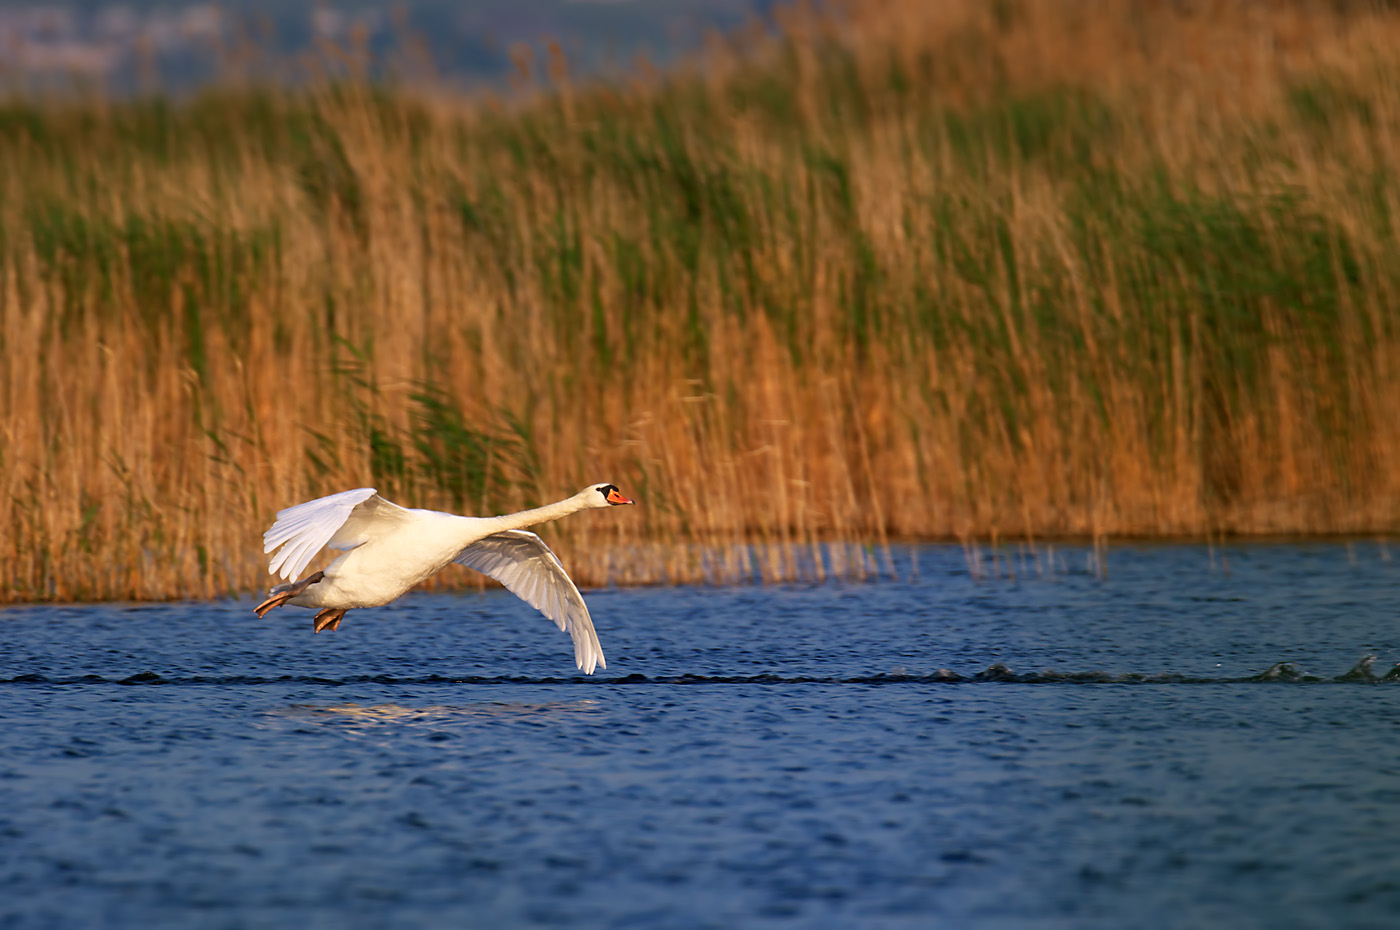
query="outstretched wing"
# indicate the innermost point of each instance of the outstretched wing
(340, 521)
(532, 572)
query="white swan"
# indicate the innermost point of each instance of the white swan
(393, 548)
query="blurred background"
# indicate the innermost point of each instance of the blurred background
(804, 280)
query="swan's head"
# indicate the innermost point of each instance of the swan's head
(603, 495)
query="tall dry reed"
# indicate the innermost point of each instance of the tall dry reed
(949, 270)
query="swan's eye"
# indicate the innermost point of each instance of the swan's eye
(605, 489)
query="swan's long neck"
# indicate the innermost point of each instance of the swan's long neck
(518, 521)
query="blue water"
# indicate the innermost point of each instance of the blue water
(1060, 749)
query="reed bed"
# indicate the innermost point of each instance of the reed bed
(964, 270)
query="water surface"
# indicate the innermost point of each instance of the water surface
(1187, 742)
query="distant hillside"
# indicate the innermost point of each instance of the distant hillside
(137, 42)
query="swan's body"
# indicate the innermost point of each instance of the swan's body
(392, 548)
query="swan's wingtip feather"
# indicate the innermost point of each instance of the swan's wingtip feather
(589, 656)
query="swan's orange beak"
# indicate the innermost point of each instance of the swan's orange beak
(615, 498)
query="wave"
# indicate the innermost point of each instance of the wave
(1363, 672)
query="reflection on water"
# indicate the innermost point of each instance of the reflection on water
(434, 715)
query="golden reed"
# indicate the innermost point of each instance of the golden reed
(949, 270)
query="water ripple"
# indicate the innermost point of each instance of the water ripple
(1363, 672)
(842, 757)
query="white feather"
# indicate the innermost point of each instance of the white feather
(392, 548)
(305, 529)
(530, 570)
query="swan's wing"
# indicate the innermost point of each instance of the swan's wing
(341, 521)
(532, 572)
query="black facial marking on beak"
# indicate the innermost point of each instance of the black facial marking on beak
(613, 496)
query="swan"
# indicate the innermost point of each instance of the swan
(393, 548)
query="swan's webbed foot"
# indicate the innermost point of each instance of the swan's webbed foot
(285, 592)
(328, 619)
